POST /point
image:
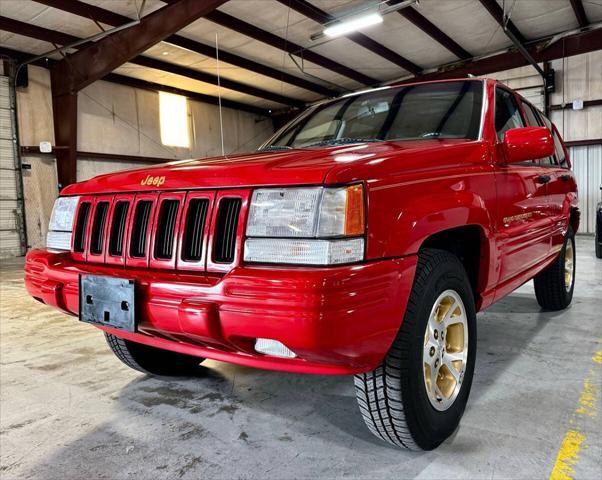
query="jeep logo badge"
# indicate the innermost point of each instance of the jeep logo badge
(154, 181)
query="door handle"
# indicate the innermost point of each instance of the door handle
(565, 178)
(543, 179)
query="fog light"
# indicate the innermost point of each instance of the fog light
(273, 347)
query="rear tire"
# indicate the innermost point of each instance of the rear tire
(151, 360)
(395, 401)
(554, 286)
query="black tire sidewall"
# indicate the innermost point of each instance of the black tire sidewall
(429, 426)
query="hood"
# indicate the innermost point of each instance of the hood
(290, 167)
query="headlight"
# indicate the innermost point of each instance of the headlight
(61, 223)
(297, 225)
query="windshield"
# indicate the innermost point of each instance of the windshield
(414, 112)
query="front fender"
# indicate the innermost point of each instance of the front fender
(425, 214)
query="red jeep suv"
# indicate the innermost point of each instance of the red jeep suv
(362, 239)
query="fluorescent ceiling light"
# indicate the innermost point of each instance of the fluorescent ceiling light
(353, 25)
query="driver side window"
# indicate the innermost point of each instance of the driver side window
(507, 113)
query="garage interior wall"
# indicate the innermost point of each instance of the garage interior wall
(577, 78)
(582, 81)
(121, 120)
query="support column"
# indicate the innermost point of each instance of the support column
(64, 113)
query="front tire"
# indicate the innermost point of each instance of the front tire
(408, 400)
(554, 286)
(151, 360)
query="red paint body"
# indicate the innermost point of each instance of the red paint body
(339, 319)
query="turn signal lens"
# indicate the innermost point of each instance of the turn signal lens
(354, 211)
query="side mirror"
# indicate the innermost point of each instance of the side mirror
(528, 143)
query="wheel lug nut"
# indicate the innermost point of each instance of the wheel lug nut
(436, 334)
(432, 351)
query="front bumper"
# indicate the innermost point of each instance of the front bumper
(338, 320)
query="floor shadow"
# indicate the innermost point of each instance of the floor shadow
(177, 427)
(504, 332)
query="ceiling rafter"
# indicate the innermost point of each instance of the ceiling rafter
(580, 13)
(497, 13)
(420, 21)
(59, 38)
(275, 41)
(94, 61)
(108, 17)
(19, 56)
(36, 32)
(320, 16)
(541, 51)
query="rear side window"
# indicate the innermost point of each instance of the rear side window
(560, 155)
(507, 114)
(559, 150)
(534, 120)
(532, 117)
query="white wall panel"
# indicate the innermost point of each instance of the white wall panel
(587, 165)
(123, 120)
(34, 108)
(40, 189)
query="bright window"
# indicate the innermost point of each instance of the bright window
(174, 120)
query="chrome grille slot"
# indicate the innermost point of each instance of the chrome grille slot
(140, 228)
(192, 248)
(195, 230)
(98, 227)
(117, 233)
(224, 246)
(79, 240)
(164, 237)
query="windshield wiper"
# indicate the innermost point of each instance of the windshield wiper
(343, 141)
(275, 148)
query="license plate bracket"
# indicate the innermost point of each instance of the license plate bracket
(107, 301)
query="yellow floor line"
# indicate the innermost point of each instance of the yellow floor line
(568, 454)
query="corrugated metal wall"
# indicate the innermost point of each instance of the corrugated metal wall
(587, 164)
(11, 222)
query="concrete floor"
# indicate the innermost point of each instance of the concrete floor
(69, 409)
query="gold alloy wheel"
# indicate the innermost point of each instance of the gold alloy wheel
(568, 265)
(445, 352)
